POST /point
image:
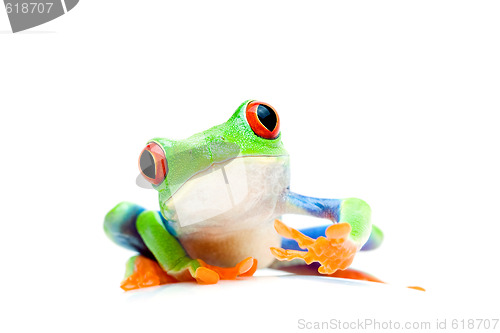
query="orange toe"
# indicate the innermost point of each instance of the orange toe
(279, 253)
(244, 266)
(338, 231)
(231, 273)
(204, 275)
(252, 269)
(292, 233)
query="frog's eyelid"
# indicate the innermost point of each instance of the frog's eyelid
(159, 145)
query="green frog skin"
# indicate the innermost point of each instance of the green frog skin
(221, 192)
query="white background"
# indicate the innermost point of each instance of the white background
(393, 102)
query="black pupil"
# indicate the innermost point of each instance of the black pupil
(147, 163)
(267, 117)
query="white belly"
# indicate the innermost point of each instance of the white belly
(227, 249)
(226, 213)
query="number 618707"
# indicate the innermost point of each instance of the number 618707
(29, 7)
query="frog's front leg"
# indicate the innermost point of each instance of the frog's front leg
(355, 212)
(343, 239)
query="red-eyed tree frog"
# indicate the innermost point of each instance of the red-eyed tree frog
(221, 194)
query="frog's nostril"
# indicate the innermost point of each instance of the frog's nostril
(153, 163)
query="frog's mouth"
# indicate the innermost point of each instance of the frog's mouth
(226, 192)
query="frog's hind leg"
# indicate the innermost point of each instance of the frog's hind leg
(141, 270)
(120, 227)
(162, 258)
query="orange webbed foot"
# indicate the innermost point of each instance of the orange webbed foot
(333, 252)
(246, 267)
(147, 273)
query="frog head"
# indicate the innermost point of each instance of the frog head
(238, 165)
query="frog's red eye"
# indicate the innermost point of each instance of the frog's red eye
(263, 120)
(153, 164)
